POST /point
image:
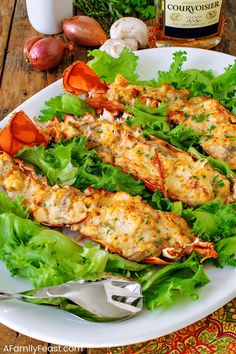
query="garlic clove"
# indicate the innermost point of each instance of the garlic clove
(131, 43)
(113, 47)
(130, 27)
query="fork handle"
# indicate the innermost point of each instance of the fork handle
(8, 296)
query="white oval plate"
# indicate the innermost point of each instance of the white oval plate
(58, 327)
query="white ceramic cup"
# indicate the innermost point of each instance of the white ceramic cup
(46, 16)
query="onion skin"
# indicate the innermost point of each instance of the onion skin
(45, 52)
(85, 31)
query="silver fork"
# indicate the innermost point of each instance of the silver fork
(104, 300)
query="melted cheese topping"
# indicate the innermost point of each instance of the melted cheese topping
(217, 127)
(47, 205)
(215, 124)
(126, 224)
(120, 91)
(130, 227)
(158, 164)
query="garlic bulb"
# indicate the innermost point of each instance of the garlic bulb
(130, 27)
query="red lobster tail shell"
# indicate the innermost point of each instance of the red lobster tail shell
(19, 132)
(79, 79)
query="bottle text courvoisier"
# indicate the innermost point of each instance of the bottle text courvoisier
(193, 8)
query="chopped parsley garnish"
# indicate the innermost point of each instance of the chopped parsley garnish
(218, 182)
(199, 118)
(231, 138)
(212, 127)
(159, 242)
(209, 136)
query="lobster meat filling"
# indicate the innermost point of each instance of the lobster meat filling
(176, 173)
(126, 225)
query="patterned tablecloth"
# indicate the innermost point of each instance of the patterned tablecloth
(215, 333)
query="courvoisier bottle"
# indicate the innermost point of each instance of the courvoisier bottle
(192, 23)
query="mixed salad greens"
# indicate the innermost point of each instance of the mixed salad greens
(47, 257)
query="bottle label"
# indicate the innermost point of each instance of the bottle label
(191, 18)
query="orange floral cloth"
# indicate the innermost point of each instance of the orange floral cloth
(213, 334)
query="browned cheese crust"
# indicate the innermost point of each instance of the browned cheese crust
(177, 174)
(214, 123)
(205, 115)
(126, 225)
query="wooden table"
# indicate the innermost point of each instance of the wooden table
(18, 82)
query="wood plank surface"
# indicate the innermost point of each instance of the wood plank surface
(7, 9)
(18, 82)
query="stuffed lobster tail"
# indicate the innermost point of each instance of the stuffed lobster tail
(126, 225)
(175, 173)
(80, 79)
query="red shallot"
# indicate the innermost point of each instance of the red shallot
(45, 52)
(85, 31)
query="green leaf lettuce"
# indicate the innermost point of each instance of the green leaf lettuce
(179, 278)
(71, 163)
(107, 67)
(64, 104)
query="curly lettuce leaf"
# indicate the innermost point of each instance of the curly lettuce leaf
(224, 88)
(163, 287)
(226, 249)
(201, 82)
(146, 117)
(71, 163)
(217, 165)
(107, 67)
(55, 162)
(230, 104)
(175, 75)
(12, 206)
(158, 201)
(46, 257)
(198, 82)
(183, 136)
(154, 121)
(213, 220)
(64, 104)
